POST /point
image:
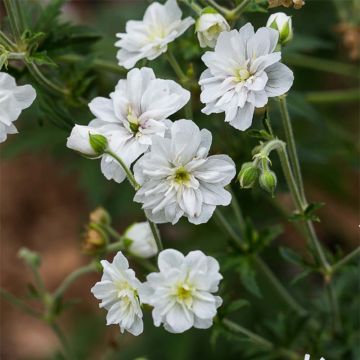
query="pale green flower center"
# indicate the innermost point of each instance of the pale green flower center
(214, 30)
(184, 294)
(133, 121)
(181, 175)
(242, 74)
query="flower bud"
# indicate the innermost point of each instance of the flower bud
(94, 240)
(31, 258)
(268, 181)
(140, 240)
(100, 216)
(283, 24)
(248, 175)
(208, 27)
(86, 141)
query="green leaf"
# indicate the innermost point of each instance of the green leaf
(291, 256)
(301, 276)
(236, 305)
(248, 277)
(41, 58)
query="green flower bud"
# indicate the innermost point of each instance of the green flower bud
(31, 258)
(98, 142)
(248, 175)
(283, 24)
(268, 181)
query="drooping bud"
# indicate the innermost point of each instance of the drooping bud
(248, 175)
(209, 26)
(100, 216)
(86, 141)
(31, 258)
(140, 241)
(283, 24)
(94, 240)
(268, 181)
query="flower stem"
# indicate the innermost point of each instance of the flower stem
(334, 307)
(19, 303)
(290, 140)
(11, 10)
(237, 211)
(5, 41)
(129, 174)
(193, 5)
(60, 335)
(73, 277)
(259, 340)
(349, 257)
(156, 234)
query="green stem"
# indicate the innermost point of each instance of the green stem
(193, 5)
(333, 67)
(16, 55)
(222, 9)
(333, 96)
(279, 287)
(182, 78)
(19, 303)
(98, 63)
(259, 340)
(129, 174)
(14, 18)
(237, 211)
(114, 247)
(73, 277)
(335, 312)
(290, 140)
(6, 42)
(63, 341)
(112, 232)
(349, 257)
(240, 8)
(156, 234)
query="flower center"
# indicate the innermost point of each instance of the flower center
(184, 294)
(214, 30)
(242, 75)
(181, 175)
(133, 121)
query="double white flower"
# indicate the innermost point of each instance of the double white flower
(136, 110)
(149, 38)
(179, 179)
(243, 72)
(182, 292)
(118, 292)
(13, 99)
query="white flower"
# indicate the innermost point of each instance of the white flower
(142, 240)
(209, 26)
(118, 292)
(182, 292)
(79, 140)
(178, 179)
(243, 72)
(149, 38)
(13, 99)
(137, 109)
(283, 24)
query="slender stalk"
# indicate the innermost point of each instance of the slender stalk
(63, 341)
(193, 5)
(19, 303)
(241, 7)
(11, 10)
(68, 281)
(156, 234)
(129, 174)
(116, 246)
(112, 232)
(333, 67)
(5, 41)
(16, 55)
(349, 257)
(98, 63)
(290, 141)
(279, 287)
(334, 308)
(259, 340)
(221, 9)
(183, 79)
(237, 211)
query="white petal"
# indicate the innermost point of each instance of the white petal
(280, 80)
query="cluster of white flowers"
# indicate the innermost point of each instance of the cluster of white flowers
(168, 162)
(181, 294)
(13, 99)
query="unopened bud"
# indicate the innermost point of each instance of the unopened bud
(100, 216)
(94, 240)
(31, 258)
(98, 142)
(248, 175)
(283, 24)
(268, 181)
